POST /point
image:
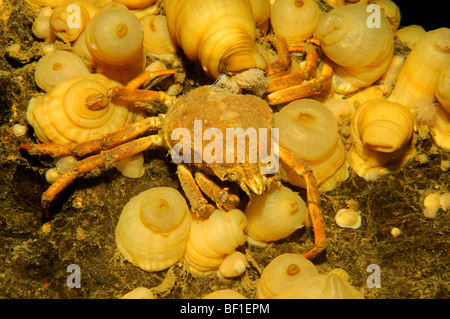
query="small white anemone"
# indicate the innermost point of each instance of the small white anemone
(431, 205)
(65, 163)
(395, 232)
(444, 200)
(131, 167)
(19, 130)
(445, 165)
(52, 175)
(348, 218)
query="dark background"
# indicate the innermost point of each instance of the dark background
(430, 14)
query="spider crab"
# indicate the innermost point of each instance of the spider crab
(219, 110)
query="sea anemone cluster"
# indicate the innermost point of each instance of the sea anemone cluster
(435, 201)
(291, 276)
(364, 59)
(107, 44)
(156, 229)
(381, 100)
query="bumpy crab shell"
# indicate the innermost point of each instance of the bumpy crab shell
(218, 109)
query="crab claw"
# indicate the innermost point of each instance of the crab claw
(256, 185)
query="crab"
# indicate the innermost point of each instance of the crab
(217, 110)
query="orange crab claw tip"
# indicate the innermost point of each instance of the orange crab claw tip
(25, 147)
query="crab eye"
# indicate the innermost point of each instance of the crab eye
(231, 177)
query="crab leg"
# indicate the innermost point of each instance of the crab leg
(138, 81)
(121, 93)
(198, 203)
(284, 60)
(131, 93)
(313, 200)
(105, 158)
(219, 195)
(104, 142)
(309, 88)
(307, 73)
(127, 93)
